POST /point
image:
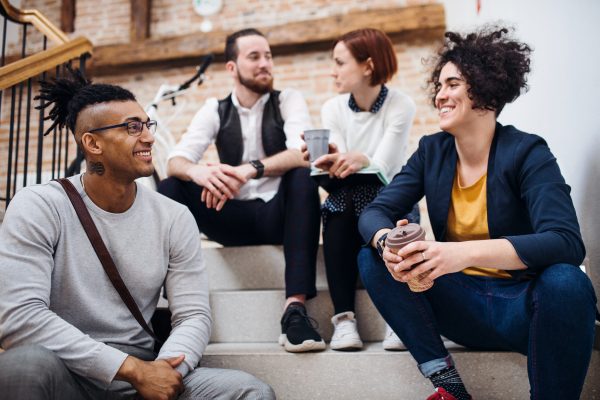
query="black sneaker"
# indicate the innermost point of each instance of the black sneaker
(298, 333)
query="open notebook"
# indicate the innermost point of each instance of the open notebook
(366, 176)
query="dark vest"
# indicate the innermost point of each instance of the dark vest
(230, 143)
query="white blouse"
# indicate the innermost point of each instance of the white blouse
(383, 136)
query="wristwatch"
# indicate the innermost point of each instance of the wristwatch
(260, 168)
(381, 244)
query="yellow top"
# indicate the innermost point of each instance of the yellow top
(467, 220)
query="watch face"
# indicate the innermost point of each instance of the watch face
(207, 7)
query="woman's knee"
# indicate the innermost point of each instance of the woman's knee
(370, 265)
(567, 286)
(365, 259)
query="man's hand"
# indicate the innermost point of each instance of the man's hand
(221, 180)
(155, 380)
(245, 171)
(342, 165)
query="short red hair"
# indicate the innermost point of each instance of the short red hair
(365, 43)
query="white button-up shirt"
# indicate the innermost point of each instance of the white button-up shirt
(205, 125)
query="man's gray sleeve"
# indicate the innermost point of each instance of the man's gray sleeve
(187, 288)
(28, 237)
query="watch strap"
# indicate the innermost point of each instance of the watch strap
(260, 168)
(381, 244)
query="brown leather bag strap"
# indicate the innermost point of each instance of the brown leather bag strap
(105, 259)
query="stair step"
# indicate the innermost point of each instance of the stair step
(374, 373)
(253, 268)
(254, 316)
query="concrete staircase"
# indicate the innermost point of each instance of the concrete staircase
(247, 299)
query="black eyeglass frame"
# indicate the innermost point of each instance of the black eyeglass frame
(150, 121)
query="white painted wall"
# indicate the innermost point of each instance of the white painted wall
(565, 84)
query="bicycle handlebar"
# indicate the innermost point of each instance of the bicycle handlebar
(206, 60)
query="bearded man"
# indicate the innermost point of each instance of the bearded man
(261, 191)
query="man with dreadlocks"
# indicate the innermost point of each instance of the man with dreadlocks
(67, 333)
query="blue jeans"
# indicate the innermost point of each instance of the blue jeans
(550, 319)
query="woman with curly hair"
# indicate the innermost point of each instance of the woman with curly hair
(504, 263)
(370, 127)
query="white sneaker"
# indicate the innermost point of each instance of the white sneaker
(392, 341)
(345, 335)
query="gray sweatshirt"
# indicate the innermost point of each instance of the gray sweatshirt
(55, 293)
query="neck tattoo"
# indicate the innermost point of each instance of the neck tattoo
(97, 168)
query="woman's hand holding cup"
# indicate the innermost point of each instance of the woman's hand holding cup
(317, 144)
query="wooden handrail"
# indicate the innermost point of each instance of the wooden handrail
(34, 65)
(65, 49)
(38, 20)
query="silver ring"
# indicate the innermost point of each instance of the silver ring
(423, 254)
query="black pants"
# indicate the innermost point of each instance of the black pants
(290, 218)
(341, 244)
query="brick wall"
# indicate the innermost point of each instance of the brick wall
(107, 22)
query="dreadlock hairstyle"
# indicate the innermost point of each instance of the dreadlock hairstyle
(69, 97)
(494, 64)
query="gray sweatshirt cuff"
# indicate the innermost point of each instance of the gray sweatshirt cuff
(107, 364)
(183, 369)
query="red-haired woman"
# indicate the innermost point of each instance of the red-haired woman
(370, 127)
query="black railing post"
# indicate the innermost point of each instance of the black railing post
(38, 178)
(10, 142)
(26, 155)
(54, 136)
(2, 61)
(79, 154)
(19, 115)
(67, 137)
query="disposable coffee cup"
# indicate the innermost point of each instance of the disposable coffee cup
(317, 143)
(402, 236)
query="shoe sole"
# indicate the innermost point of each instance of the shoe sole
(307, 345)
(348, 344)
(394, 346)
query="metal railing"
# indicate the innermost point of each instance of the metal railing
(18, 79)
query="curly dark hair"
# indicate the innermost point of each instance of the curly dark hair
(493, 63)
(69, 97)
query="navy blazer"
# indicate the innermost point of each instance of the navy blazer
(528, 201)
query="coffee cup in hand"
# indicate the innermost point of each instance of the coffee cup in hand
(400, 237)
(317, 143)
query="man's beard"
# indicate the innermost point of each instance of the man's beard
(255, 86)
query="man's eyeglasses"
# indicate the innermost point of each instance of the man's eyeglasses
(134, 128)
